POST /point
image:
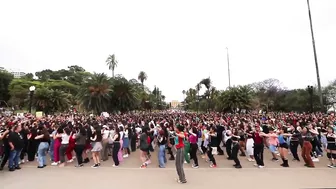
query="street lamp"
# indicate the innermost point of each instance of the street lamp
(311, 92)
(31, 94)
(315, 58)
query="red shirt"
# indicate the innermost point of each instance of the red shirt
(179, 142)
(257, 138)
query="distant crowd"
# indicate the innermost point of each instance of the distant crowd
(178, 136)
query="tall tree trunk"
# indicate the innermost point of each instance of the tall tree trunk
(112, 73)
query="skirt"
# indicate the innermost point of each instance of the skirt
(96, 147)
(125, 143)
(249, 147)
(331, 146)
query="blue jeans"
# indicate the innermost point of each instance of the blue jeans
(14, 157)
(51, 150)
(42, 153)
(162, 156)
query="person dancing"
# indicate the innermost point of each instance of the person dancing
(179, 144)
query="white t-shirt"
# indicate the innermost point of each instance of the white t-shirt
(65, 138)
(106, 134)
(126, 134)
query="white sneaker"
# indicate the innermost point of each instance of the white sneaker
(125, 156)
(23, 161)
(260, 166)
(70, 161)
(315, 160)
(54, 163)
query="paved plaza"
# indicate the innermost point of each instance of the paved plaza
(129, 175)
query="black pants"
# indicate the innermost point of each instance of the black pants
(219, 149)
(234, 155)
(115, 150)
(79, 152)
(229, 148)
(133, 144)
(258, 152)
(193, 153)
(170, 152)
(210, 156)
(5, 156)
(31, 150)
(203, 148)
(294, 149)
(24, 151)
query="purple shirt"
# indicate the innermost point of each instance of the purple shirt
(192, 139)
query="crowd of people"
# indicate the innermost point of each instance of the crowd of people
(175, 136)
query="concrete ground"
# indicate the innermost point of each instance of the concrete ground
(128, 175)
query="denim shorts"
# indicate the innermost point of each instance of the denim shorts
(273, 148)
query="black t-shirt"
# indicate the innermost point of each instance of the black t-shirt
(265, 129)
(17, 140)
(5, 139)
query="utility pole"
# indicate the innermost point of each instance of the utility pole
(228, 66)
(315, 58)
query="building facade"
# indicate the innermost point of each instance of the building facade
(18, 74)
(175, 104)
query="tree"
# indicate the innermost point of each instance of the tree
(94, 95)
(142, 77)
(5, 80)
(50, 101)
(28, 76)
(183, 92)
(112, 63)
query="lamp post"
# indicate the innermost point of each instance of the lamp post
(311, 92)
(315, 58)
(228, 66)
(31, 94)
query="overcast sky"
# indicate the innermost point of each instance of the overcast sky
(176, 42)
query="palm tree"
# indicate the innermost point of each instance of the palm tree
(142, 77)
(207, 83)
(112, 63)
(94, 95)
(124, 95)
(183, 92)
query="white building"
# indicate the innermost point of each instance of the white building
(18, 74)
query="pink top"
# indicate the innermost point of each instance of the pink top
(192, 139)
(273, 139)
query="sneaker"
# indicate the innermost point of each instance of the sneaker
(250, 159)
(213, 166)
(54, 163)
(23, 161)
(315, 160)
(143, 166)
(115, 165)
(125, 156)
(194, 166)
(70, 161)
(181, 182)
(275, 159)
(238, 166)
(95, 166)
(11, 169)
(81, 165)
(261, 166)
(18, 168)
